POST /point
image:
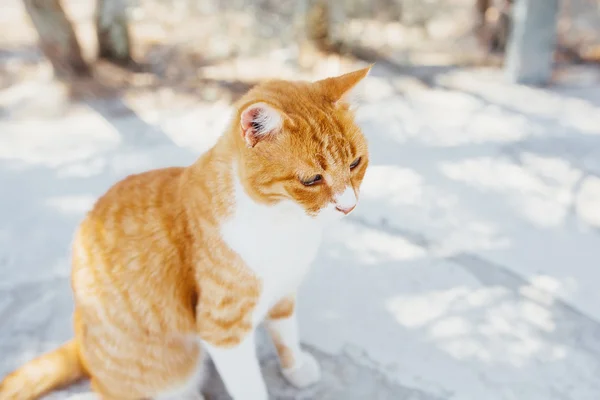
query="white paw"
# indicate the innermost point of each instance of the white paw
(306, 373)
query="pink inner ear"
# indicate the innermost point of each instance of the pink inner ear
(257, 121)
(248, 118)
(249, 128)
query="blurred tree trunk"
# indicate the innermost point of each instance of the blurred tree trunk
(322, 31)
(533, 40)
(387, 10)
(481, 6)
(324, 22)
(317, 24)
(493, 24)
(56, 37)
(114, 42)
(481, 28)
(503, 27)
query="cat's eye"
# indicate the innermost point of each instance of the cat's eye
(311, 181)
(355, 163)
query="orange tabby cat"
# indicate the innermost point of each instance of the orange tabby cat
(177, 262)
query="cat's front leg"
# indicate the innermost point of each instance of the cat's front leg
(300, 368)
(224, 318)
(239, 369)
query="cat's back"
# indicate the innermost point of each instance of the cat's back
(138, 194)
(129, 251)
(139, 210)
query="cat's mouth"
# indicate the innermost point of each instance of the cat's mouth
(345, 210)
(346, 201)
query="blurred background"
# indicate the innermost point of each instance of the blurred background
(224, 46)
(470, 267)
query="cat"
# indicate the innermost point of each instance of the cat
(175, 264)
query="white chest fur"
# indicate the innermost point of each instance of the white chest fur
(278, 243)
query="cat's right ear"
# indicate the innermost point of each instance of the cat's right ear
(258, 121)
(341, 90)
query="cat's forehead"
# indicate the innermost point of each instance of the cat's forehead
(321, 146)
(320, 127)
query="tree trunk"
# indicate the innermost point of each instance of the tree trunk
(481, 28)
(56, 37)
(532, 42)
(503, 27)
(325, 25)
(481, 7)
(493, 24)
(114, 42)
(318, 28)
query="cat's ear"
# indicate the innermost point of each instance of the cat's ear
(258, 121)
(343, 87)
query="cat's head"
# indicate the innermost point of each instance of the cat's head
(299, 142)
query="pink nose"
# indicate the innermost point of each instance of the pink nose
(345, 210)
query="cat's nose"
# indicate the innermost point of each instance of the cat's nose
(346, 202)
(346, 210)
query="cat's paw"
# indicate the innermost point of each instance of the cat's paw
(307, 372)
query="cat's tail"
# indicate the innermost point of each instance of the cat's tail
(54, 369)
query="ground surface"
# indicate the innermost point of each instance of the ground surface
(469, 270)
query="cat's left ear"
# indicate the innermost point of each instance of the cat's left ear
(342, 88)
(258, 121)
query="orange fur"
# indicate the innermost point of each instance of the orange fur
(54, 369)
(151, 272)
(283, 309)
